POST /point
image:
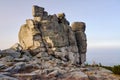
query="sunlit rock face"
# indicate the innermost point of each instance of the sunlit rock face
(54, 35)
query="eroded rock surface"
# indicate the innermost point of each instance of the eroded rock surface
(79, 31)
(53, 34)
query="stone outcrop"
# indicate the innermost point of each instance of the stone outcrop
(54, 35)
(79, 31)
(50, 49)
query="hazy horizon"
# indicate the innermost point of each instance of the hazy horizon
(105, 56)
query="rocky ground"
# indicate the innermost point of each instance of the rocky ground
(16, 65)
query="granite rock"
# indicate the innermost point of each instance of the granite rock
(53, 35)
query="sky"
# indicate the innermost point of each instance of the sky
(102, 18)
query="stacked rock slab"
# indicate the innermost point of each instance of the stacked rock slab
(53, 34)
(79, 30)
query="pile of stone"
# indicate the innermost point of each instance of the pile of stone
(48, 49)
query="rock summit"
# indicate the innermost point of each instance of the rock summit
(53, 35)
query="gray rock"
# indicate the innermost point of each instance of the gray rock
(61, 55)
(37, 11)
(52, 34)
(16, 68)
(27, 58)
(97, 77)
(55, 73)
(26, 53)
(7, 59)
(78, 75)
(17, 47)
(42, 54)
(6, 63)
(25, 74)
(72, 57)
(78, 26)
(20, 59)
(4, 77)
(11, 52)
(39, 72)
(2, 66)
(5, 73)
(51, 30)
(79, 31)
(0, 52)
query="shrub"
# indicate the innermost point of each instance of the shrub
(116, 69)
(107, 67)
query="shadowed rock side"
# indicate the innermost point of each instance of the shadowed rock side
(53, 34)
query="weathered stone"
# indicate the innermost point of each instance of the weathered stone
(73, 49)
(83, 58)
(27, 76)
(37, 11)
(61, 18)
(55, 73)
(42, 54)
(6, 64)
(5, 73)
(4, 77)
(79, 31)
(77, 76)
(2, 66)
(27, 33)
(53, 35)
(0, 51)
(61, 15)
(73, 57)
(20, 59)
(25, 52)
(10, 52)
(16, 68)
(45, 15)
(78, 26)
(17, 47)
(7, 58)
(53, 18)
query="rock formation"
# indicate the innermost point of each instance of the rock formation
(49, 49)
(79, 31)
(54, 35)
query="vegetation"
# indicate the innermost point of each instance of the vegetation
(115, 69)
